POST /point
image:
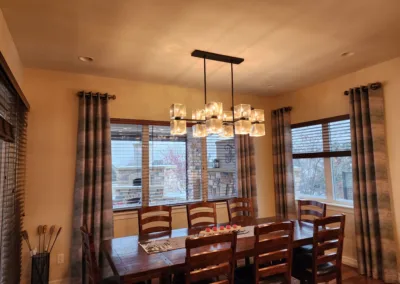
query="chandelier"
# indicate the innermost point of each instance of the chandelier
(241, 119)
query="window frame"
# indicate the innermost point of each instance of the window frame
(326, 155)
(160, 123)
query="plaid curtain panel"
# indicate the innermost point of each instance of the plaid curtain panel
(92, 195)
(246, 169)
(285, 206)
(375, 236)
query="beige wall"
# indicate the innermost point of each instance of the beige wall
(327, 100)
(52, 143)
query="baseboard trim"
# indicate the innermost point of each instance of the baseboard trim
(60, 281)
(350, 261)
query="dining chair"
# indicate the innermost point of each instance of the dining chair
(309, 210)
(201, 214)
(272, 255)
(320, 265)
(89, 254)
(94, 273)
(210, 257)
(155, 219)
(241, 210)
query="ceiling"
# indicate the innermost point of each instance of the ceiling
(286, 44)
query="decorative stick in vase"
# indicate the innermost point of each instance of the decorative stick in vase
(44, 237)
(58, 233)
(40, 231)
(25, 236)
(52, 229)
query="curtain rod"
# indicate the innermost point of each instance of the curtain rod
(91, 94)
(373, 86)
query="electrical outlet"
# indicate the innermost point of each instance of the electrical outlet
(60, 258)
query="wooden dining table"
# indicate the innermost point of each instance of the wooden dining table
(132, 263)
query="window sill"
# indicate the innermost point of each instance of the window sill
(133, 210)
(337, 207)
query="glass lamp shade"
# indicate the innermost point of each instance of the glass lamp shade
(257, 115)
(199, 130)
(178, 127)
(242, 127)
(214, 125)
(214, 110)
(242, 111)
(228, 116)
(199, 114)
(257, 130)
(227, 130)
(177, 111)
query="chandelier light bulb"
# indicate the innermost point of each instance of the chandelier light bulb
(177, 111)
(242, 111)
(227, 131)
(214, 126)
(257, 115)
(178, 127)
(242, 127)
(257, 130)
(199, 130)
(228, 116)
(214, 110)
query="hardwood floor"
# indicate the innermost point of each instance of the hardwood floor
(351, 276)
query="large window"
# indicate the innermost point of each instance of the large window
(152, 167)
(322, 160)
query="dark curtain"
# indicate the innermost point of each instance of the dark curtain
(92, 195)
(376, 246)
(246, 169)
(285, 206)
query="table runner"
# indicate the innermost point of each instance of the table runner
(162, 245)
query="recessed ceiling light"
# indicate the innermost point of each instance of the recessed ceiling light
(347, 54)
(86, 58)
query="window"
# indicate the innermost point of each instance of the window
(126, 153)
(152, 167)
(221, 167)
(322, 160)
(167, 165)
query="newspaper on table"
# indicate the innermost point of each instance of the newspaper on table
(163, 245)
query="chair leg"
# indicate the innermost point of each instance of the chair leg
(339, 278)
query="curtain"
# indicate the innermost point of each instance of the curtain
(13, 139)
(285, 206)
(92, 195)
(376, 246)
(246, 169)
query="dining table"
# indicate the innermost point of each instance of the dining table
(132, 263)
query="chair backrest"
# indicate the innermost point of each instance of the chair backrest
(89, 254)
(209, 257)
(154, 219)
(327, 238)
(240, 210)
(311, 209)
(201, 214)
(273, 246)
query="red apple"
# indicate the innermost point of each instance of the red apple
(215, 229)
(228, 227)
(222, 228)
(208, 230)
(234, 226)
